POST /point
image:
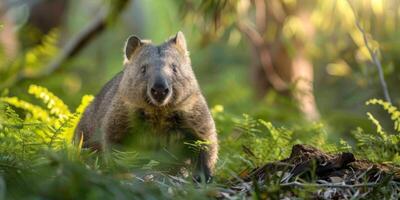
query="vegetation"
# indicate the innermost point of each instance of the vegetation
(348, 45)
(39, 160)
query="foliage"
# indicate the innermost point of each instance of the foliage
(25, 139)
(255, 142)
(391, 110)
(32, 62)
(380, 145)
(36, 141)
(37, 58)
(55, 118)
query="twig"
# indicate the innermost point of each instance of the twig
(374, 57)
(328, 185)
(377, 64)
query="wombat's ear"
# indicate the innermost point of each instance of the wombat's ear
(180, 41)
(131, 45)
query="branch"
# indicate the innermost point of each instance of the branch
(82, 39)
(374, 57)
(377, 63)
(76, 44)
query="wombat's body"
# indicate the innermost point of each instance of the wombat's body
(157, 95)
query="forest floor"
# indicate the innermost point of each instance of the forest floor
(335, 176)
(319, 175)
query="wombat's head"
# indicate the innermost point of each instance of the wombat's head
(157, 75)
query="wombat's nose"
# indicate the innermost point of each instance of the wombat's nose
(159, 91)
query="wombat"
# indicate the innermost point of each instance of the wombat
(157, 86)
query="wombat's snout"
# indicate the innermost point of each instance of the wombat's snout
(159, 91)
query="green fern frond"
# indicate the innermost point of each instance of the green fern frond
(247, 125)
(55, 105)
(86, 100)
(40, 55)
(390, 109)
(59, 135)
(74, 119)
(281, 139)
(8, 115)
(16, 135)
(36, 111)
(275, 133)
(56, 123)
(379, 128)
(380, 145)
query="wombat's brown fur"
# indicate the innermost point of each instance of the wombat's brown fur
(158, 86)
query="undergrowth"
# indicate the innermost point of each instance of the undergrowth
(38, 159)
(380, 145)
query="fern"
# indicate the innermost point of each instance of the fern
(56, 122)
(379, 128)
(262, 142)
(278, 143)
(18, 136)
(36, 112)
(74, 119)
(55, 105)
(391, 110)
(248, 125)
(42, 54)
(380, 145)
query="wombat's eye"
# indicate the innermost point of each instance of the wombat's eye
(174, 68)
(143, 69)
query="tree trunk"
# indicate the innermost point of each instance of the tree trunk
(273, 68)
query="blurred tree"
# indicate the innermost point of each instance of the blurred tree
(290, 39)
(280, 62)
(41, 17)
(46, 15)
(26, 23)
(9, 43)
(8, 39)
